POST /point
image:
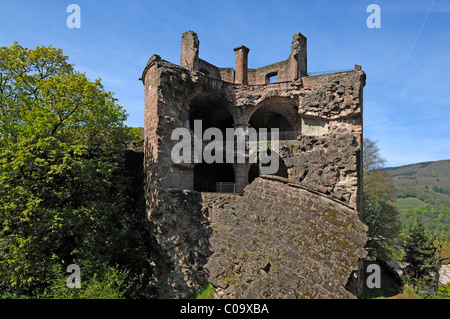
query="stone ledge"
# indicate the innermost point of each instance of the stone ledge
(306, 187)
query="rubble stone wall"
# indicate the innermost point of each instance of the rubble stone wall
(332, 168)
(255, 246)
(263, 248)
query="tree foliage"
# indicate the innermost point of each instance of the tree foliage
(420, 255)
(381, 216)
(372, 159)
(63, 194)
(109, 283)
(380, 213)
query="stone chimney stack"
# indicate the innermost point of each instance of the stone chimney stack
(189, 50)
(299, 54)
(241, 68)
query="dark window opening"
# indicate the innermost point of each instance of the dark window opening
(272, 77)
(269, 120)
(215, 177)
(280, 113)
(254, 171)
(282, 169)
(210, 109)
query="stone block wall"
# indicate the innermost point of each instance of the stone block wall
(180, 237)
(330, 167)
(255, 246)
(264, 248)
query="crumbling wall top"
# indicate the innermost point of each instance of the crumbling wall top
(290, 69)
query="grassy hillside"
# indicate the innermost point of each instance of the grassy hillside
(428, 182)
(410, 203)
(423, 190)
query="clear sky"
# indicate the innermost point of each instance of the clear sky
(406, 98)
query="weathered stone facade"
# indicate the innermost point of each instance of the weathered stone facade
(320, 165)
(265, 248)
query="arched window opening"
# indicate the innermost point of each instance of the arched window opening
(211, 110)
(264, 118)
(279, 113)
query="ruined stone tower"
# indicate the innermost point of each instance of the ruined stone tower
(193, 207)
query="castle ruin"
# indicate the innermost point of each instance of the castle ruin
(295, 233)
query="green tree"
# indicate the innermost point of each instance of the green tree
(381, 216)
(420, 256)
(372, 159)
(379, 211)
(62, 153)
(107, 283)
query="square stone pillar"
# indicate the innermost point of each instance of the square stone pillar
(189, 50)
(241, 66)
(241, 169)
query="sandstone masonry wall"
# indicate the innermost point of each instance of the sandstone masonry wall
(264, 248)
(180, 236)
(332, 168)
(255, 246)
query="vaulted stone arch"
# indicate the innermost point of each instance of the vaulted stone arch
(274, 112)
(214, 111)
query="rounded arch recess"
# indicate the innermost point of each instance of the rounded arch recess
(274, 112)
(214, 111)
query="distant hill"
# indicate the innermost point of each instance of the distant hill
(427, 182)
(423, 190)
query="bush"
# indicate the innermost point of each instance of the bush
(205, 293)
(109, 284)
(444, 291)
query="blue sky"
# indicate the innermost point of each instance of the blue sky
(406, 98)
